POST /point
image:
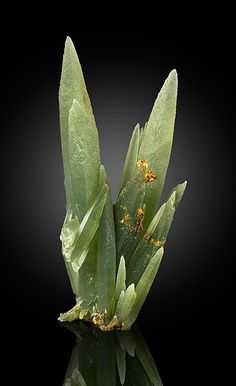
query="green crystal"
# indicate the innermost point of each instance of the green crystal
(112, 253)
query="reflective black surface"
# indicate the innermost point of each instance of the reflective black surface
(186, 349)
(115, 358)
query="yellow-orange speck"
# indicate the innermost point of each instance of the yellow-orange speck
(151, 240)
(150, 176)
(125, 220)
(140, 212)
(142, 164)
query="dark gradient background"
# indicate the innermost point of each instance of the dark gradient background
(186, 319)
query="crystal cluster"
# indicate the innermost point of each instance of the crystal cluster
(112, 252)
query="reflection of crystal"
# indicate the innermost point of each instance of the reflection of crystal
(107, 359)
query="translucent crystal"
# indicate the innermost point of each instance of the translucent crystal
(112, 253)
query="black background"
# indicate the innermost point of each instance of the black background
(125, 56)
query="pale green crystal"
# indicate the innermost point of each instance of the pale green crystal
(79, 136)
(131, 198)
(112, 254)
(157, 141)
(143, 287)
(106, 256)
(121, 277)
(127, 303)
(131, 157)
